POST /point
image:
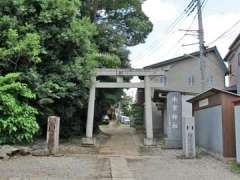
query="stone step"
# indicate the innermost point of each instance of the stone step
(119, 169)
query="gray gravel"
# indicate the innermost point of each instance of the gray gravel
(101, 163)
(75, 167)
(168, 166)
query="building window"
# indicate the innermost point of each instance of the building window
(238, 59)
(163, 80)
(191, 80)
(210, 81)
(230, 69)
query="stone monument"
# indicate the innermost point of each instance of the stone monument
(188, 132)
(174, 120)
(53, 134)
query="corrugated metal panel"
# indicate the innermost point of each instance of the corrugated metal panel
(209, 129)
(237, 131)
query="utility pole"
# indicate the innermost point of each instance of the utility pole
(201, 46)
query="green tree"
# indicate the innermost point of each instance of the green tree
(52, 46)
(120, 24)
(137, 115)
(56, 44)
(17, 117)
(126, 104)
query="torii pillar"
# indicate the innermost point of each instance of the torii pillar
(148, 140)
(147, 85)
(89, 140)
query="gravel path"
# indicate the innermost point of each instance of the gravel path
(121, 157)
(121, 141)
(75, 167)
(167, 166)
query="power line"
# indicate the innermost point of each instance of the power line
(169, 32)
(192, 6)
(180, 39)
(203, 5)
(225, 32)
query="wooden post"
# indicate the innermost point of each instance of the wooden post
(53, 134)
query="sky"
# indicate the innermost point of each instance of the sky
(166, 41)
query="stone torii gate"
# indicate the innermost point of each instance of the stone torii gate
(119, 73)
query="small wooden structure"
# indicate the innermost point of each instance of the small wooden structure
(214, 116)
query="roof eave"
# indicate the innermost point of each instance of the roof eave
(198, 97)
(231, 47)
(184, 57)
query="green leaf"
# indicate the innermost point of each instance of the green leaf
(46, 101)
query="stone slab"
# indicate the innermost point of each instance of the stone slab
(6, 150)
(149, 142)
(172, 144)
(88, 141)
(119, 169)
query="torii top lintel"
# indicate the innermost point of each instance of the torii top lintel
(128, 72)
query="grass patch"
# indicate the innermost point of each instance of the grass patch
(138, 126)
(103, 125)
(235, 167)
(118, 123)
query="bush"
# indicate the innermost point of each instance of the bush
(17, 118)
(138, 115)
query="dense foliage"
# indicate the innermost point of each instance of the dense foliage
(126, 103)
(56, 44)
(137, 115)
(120, 24)
(17, 118)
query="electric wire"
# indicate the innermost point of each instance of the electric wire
(180, 39)
(169, 32)
(225, 33)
